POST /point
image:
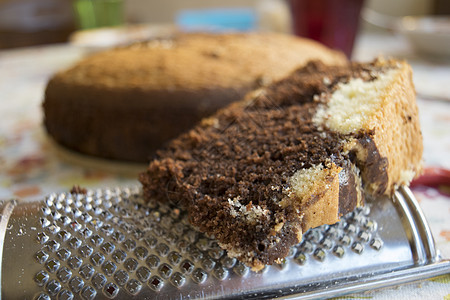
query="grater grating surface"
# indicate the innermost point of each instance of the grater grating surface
(109, 244)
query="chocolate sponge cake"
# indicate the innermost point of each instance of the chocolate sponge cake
(294, 155)
(125, 103)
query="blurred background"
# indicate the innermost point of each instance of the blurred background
(36, 22)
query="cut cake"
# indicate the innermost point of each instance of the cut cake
(297, 154)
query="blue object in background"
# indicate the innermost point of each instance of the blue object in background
(219, 19)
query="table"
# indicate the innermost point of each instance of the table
(31, 166)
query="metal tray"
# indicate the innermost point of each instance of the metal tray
(110, 244)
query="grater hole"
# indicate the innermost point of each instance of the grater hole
(171, 238)
(364, 236)
(63, 235)
(65, 220)
(97, 259)
(281, 264)
(199, 276)
(350, 228)
(75, 243)
(133, 287)
(121, 277)
(338, 251)
(326, 243)
(43, 296)
(131, 264)
(41, 256)
(107, 229)
(220, 273)
(313, 235)
(65, 295)
(141, 252)
(241, 269)
(300, 258)
(52, 246)
(177, 279)
(111, 290)
(203, 244)
(183, 246)
(107, 247)
(46, 210)
(42, 237)
(228, 262)
(216, 253)
(75, 225)
(63, 254)
(118, 237)
(162, 249)
(119, 256)
(96, 223)
(86, 271)
(99, 281)
(165, 271)
(306, 247)
(151, 242)
(88, 293)
(153, 261)
(376, 243)
(357, 247)
(96, 240)
(64, 274)
(174, 258)
(41, 278)
(53, 228)
(74, 262)
(156, 283)
(345, 240)
(208, 263)
(109, 268)
(187, 267)
(143, 274)
(370, 225)
(85, 250)
(292, 252)
(319, 254)
(53, 287)
(197, 255)
(44, 222)
(332, 231)
(129, 244)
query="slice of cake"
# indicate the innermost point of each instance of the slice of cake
(294, 155)
(125, 103)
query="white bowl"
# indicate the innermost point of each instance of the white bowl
(429, 35)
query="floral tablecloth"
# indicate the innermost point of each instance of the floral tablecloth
(31, 166)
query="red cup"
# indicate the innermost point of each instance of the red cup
(334, 23)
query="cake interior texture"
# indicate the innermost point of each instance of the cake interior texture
(297, 154)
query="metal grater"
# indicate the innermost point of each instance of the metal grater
(109, 244)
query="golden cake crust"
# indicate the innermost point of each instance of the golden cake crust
(199, 61)
(397, 130)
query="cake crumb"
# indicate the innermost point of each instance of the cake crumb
(76, 189)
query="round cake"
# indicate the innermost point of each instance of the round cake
(127, 102)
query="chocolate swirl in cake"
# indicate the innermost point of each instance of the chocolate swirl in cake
(294, 155)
